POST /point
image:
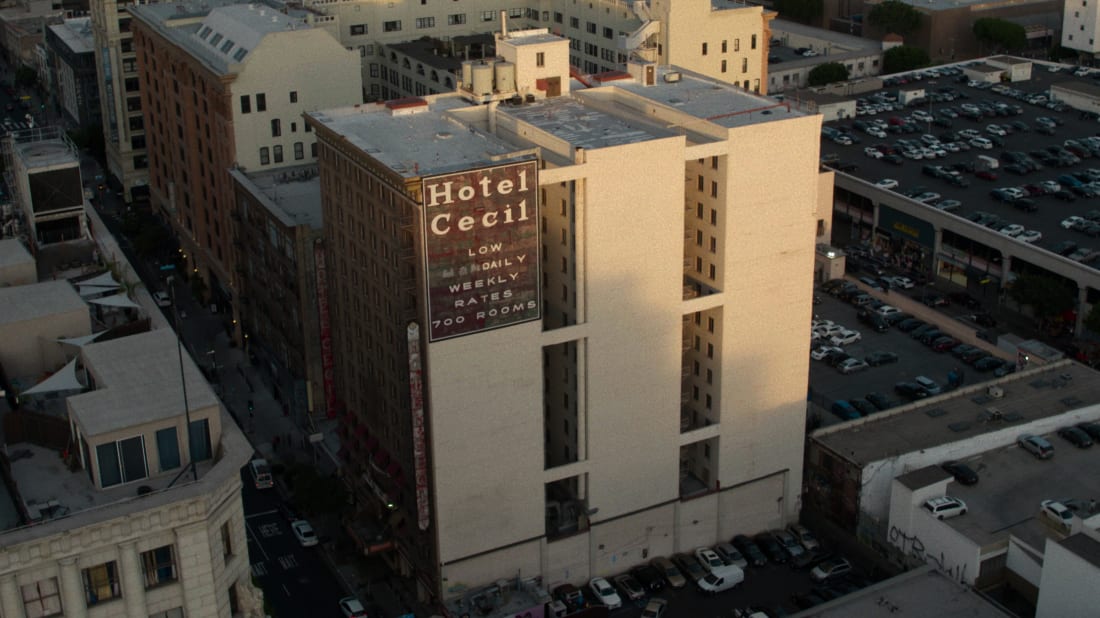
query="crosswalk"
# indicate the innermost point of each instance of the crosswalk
(11, 125)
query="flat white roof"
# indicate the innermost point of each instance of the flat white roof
(138, 382)
(292, 195)
(27, 302)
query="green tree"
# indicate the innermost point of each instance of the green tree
(894, 16)
(1047, 296)
(805, 11)
(1001, 33)
(25, 76)
(904, 58)
(827, 73)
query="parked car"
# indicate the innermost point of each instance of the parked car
(352, 607)
(162, 299)
(805, 537)
(656, 608)
(303, 531)
(928, 384)
(1092, 429)
(709, 558)
(669, 571)
(689, 566)
(1075, 436)
(988, 363)
(844, 410)
(604, 593)
(864, 407)
(831, 569)
(852, 365)
(1036, 445)
(880, 401)
(629, 587)
(910, 391)
(963, 473)
(750, 550)
(649, 577)
(789, 544)
(771, 547)
(1057, 512)
(730, 555)
(945, 507)
(570, 595)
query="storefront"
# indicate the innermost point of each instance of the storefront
(907, 242)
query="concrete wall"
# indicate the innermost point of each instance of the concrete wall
(30, 348)
(688, 25)
(1068, 588)
(19, 274)
(1076, 100)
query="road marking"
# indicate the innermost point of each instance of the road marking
(269, 530)
(258, 543)
(271, 512)
(288, 561)
(259, 569)
(287, 591)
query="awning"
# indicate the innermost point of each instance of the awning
(103, 280)
(118, 300)
(63, 380)
(81, 341)
(92, 290)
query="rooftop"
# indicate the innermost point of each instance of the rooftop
(1013, 484)
(1082, 87)
(76, 34)
(420, 144)
(582, 126)
(138, 381)
(13, 253)
(962, 414)
(929, 6)
(838, 41)
(1084, 546)
(27, 302)
(920, 592)
(923, 477)
(447, 55)
(293, 194)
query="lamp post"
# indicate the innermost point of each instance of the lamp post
(183, 377)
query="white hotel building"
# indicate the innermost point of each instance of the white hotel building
(645, 393)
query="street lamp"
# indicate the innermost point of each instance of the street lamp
(183, 377)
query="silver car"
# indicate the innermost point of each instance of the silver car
(729, 554)
(789, 544)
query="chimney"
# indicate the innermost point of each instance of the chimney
(503, 25)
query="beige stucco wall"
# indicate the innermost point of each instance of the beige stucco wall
(688, 25)
(30, 348)
(321, 71)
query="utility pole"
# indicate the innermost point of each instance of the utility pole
(183, 378)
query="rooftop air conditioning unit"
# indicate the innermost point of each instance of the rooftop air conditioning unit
(996, 392)
(673, 77)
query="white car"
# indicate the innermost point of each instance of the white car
(874, 153)
(1072, 222)
(886, 310)
(945, 507)
(352, 607)
(981, 142)
(846, 337)
(1030, 236)
(927, 197)
(1057, 512)
(304, 533)
(1050, 186)
(969, 133)
(1012, 230)
(901, 282)
(887, 183)
(162, 299)
(996, 129)
(709, 559)
(804, 536)
(605, 593)
(820, 352)
(852, 365)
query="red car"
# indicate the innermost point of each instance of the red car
(986, 175)
(944, 344)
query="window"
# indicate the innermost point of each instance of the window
(699, 211)
(723, 47)
(265, 156)
(699, 183)
(217, 38)
(713, 249)
(425, 22)
(745, 67)
(713, 272)
(101, 583)
(590, 27)
(293, 96)
(159, 565)
(228, 45)
(276, 128)
(261, 102)
(608, 33)
(704, 49)
(753, 42)
(42, 598)
(227, 542)
(122, 461)
(299, 151)
(488, 16)
(713, 217)
(240, 54)
(246, 104)
(277, 151)
(710, 350)
(713, 189)
(515, 13)
(737, 45)
(574, 22)
(199, 435)
(168, 449)
(456, 20)
(358, 29)
(540, 59)
(723, 66)
(558, 17)
(176, 612)
(710, 376)
(391, 26)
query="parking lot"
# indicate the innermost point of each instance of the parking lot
(827, 384)
(1049, 211)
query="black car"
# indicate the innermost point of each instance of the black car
(897, 318)
(835, 358)
(865, 407)
(1065, 195)
(909, 325)
(961, 349)
(880, 401)
(918, 332)
(928, 336)
(973, 356)
(989, 363)
(964, 299)
(910, 390)
(875, 359)
(983, 319)
(649, 577)
(935, 300)
(963, 473)
(771, 547)
(1065, 247)
(1092, 429)
(1075, 436)
(750, 550)
(874, 320)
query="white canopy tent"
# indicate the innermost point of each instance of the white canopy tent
(118, 300)
(105, 280)
(63, 380)
(80, 341)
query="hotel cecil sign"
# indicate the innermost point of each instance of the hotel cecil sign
(481, 249)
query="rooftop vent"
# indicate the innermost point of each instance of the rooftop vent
(996, 392)
(673, 77)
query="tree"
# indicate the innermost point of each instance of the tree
(904, 58)
(894, 16)
(827, 73)
(800, 10)
(1001, 33)
(25, 76)
(1047, 296)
